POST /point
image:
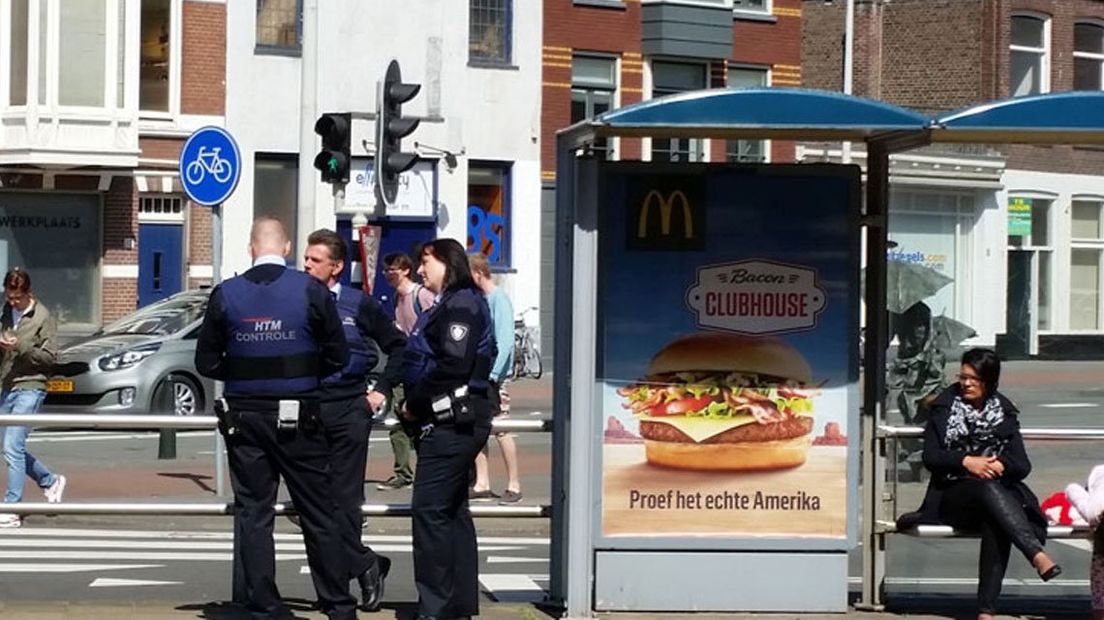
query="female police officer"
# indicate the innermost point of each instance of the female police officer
(445, 373)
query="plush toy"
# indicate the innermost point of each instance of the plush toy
(1089, 502)
(1059, 510)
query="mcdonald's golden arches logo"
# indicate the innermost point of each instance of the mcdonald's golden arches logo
(666, 205)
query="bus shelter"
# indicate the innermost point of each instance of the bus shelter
(706, 448)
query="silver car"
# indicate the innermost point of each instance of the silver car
(125, 367)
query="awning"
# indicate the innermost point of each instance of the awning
(1053, 118)
(780, 113)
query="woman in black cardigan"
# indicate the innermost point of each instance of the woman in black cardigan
(974, 450)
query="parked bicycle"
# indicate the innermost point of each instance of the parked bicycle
(527, 359)
(208, 161)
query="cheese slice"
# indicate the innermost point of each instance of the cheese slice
(699, 429)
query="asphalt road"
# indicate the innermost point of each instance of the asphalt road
(182, 563)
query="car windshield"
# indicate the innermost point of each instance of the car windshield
(162, 318)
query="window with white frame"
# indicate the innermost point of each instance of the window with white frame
(669, 78)
(20, 24)
(1088, 56)
(1029, 55)
(1029, 231)
(155, 61)
(593, 86)
(82, 42)
(157, 207)
(747, 151)
(1087, 244)
(752, 6)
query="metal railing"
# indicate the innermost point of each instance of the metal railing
(876, 533)
(157, 422)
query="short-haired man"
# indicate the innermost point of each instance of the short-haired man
(272, 334)
(411, 300)
(350, 398)
(502, 318)
(28, 349)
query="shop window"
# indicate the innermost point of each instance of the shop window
(81, 49)
(489, 31)
(1084, 288)
(593, 85)
(489, 212)
(20, 24)
(276, 192)
(1029, 55)
(747, 151)
(154, 66)
(56, 238)
(1088, 56)
(279, 25)
(669, 78)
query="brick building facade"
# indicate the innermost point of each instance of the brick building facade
(604, 54)
(119, 187)
(936, 56)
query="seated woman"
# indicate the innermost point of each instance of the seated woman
(974, 450)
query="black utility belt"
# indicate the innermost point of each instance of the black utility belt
(290, 413)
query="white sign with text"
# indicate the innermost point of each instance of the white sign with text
(417, 189)
(756, 297)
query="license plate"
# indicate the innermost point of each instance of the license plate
(59, 385)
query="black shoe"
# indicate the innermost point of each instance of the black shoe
(1051, 573)
(371, 584)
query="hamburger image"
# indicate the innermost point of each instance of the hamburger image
(713, 401)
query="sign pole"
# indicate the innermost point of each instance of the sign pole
(216, 277)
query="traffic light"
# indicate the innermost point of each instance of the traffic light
(334, 158)
(393, 127)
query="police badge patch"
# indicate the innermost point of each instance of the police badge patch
(457, 331)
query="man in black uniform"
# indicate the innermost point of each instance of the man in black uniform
(272, 334)
(349, 399)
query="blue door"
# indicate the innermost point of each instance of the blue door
(160, 261)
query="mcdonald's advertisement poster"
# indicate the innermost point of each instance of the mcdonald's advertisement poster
(728, 350)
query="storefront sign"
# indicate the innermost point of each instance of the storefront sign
(416, 198)
(727, 365)
(1019, 217)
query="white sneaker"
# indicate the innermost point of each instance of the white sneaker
(8, 519)
(54, 492)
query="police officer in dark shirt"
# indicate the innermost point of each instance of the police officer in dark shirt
(446, 367)
(350, 398)
(272, 334)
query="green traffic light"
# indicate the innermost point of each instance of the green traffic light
(332, 165)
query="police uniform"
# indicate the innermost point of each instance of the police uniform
(271, 334)
(450, 347)
(348, 421)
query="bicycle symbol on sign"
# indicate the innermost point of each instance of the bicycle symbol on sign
(208, 161)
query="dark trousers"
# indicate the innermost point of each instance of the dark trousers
(997, 512)
(347, 424)
(446, 560)
(259, 456)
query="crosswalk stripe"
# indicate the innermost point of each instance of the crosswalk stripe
(29, 567)
(511, 588)
(108, 582)
(500, 559)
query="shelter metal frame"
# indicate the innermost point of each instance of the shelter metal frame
(760, 113)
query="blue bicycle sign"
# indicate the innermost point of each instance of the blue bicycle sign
(210, 165)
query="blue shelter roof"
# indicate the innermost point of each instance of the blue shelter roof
(761, 113)
(1053, 118)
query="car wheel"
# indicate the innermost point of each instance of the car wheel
(185, 396)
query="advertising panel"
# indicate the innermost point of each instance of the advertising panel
(728, 351)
